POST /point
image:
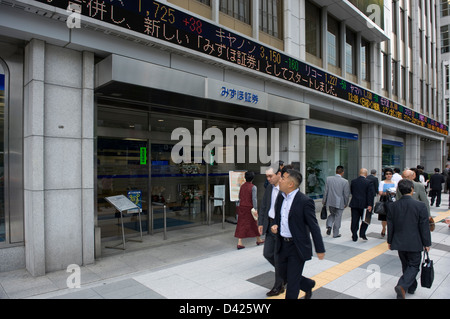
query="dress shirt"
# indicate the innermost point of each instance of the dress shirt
(275, 191)
(285, 209)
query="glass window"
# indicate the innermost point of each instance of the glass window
(394, 77)
(350, 40)
(410, 33)
(365, 60)
(394, 18)
(384, 68)
(445, 42)
(326, 149)
(445, 8)
(392, 154)
(2, 155)
(238, 9)
(333, 41)
(411, 88)
(207, 2)
(312, 29)
(270, 12)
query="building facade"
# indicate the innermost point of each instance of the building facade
(99, 98)
(444, 18)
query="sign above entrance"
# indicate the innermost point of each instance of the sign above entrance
(236, 94)
(160, 21)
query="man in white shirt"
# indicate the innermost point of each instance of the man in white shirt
(266, 216)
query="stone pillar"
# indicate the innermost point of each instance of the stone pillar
(292, 145)
(58, 157)
(371, 147)
(34, 65)
(412, 150)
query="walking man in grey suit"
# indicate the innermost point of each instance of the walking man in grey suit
(419, 190)
(336, 197)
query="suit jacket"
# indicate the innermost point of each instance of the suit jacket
(374, 180)
(263, 214)
(362, 192)
(436, 181)
(419, 194)
(408, 225)
(302, 224)
(337, 192)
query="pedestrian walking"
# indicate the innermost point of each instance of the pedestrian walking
(336, 197)
(295, 223)
(409, 234)
(362, 198)
(387, 190)
(419, 190)
(396, 177)
(246, 225)
(446, 174)
(374, 180)
(266, 216)
(436, 181)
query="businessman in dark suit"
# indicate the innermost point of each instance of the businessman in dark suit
(362, 198)
(266, 216)
(409, 233)
(295, 223)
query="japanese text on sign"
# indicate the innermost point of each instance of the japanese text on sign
(163, 22)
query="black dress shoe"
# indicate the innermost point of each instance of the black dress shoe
(308, 294)
(328, 230)
(275, 291)
(400, 292)
(364, 237)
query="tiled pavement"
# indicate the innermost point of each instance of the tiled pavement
(208, 266)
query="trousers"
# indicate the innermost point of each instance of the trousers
(410, 267)
(269, 254)
(334, 219)
(357, 216)
(291, 268)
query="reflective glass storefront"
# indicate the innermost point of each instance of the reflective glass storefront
(326, 149)
(393, 154)
(135, 158)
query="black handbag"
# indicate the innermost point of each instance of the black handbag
(379, 208)
(323, 212)
(427, 274)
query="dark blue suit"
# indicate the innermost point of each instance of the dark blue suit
(409, 233)
(292, 254)
(363, 194)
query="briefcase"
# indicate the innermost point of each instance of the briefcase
(323, 212)
(367, 216)
(427, 274)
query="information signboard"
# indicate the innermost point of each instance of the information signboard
(121, 203)
(236, 179)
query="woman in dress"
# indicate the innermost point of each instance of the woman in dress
(385, 189)
(246, 224)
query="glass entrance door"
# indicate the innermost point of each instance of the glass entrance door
(122, 169)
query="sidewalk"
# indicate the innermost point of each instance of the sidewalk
(203, 263)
